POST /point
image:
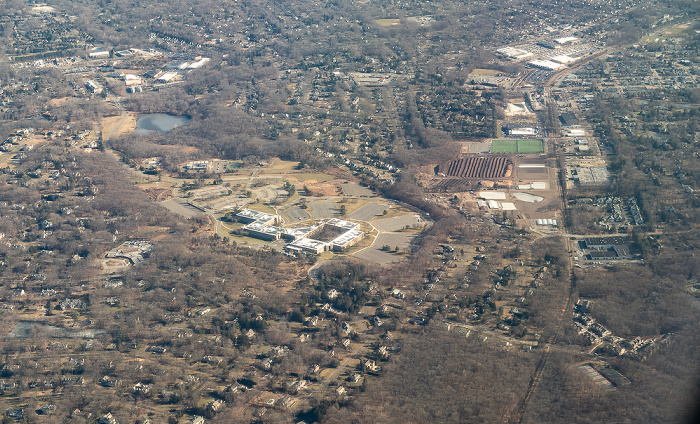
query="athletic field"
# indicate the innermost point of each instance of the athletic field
(517, 146)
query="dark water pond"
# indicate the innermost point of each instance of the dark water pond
(159, 122)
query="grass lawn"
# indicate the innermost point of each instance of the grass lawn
(262, 208)
(321, 178)
(517, 146)
(504, 146)
(530, 146)
(279, 167)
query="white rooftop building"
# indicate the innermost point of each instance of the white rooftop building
(492, 195)
(563, 59)
(576, 132)
(514, 53)
(198, 64)
(526, 131)
(566, 40)
(307, 245)
(546, 64)
(166, 77)
(252, 216)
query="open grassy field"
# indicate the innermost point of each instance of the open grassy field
(319, 178)
(517, 146)
(279, 166)
(504, 146)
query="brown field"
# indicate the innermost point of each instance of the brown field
(111, 123)
(158, 194)
(58, 102)
(329, 188)
(478, 71)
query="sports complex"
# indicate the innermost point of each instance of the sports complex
(517, 146)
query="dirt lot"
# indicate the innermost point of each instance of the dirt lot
(110, 123)
(354, 189)
(329, 188)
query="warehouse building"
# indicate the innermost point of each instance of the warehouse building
(546, 65)
(604, 243)
(514, 53)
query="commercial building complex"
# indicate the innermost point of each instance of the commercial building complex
(262, 226)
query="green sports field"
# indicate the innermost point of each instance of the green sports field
(517, 146)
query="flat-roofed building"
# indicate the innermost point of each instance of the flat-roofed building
(292, 234)
(522, 132)
(178, 65)
(198, 64)
(566, 40)
(342, 224)
(576, 132)
(263, 231)
(545, 64)
(604, 243)
(197, 165)
(492, 195)
(514, 53)
(563, 59)
(247, 216)
(166, 77)
(346, 240)
(98, 53)
(568, 118)
(308, 245)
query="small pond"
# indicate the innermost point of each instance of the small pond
(159, 122)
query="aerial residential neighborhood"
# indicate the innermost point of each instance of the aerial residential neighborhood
(349, 211)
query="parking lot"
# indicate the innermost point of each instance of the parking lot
(323, 209)
(376, 255)
(181, 208)
(397, 223)
(295, 214)
(368, 211)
